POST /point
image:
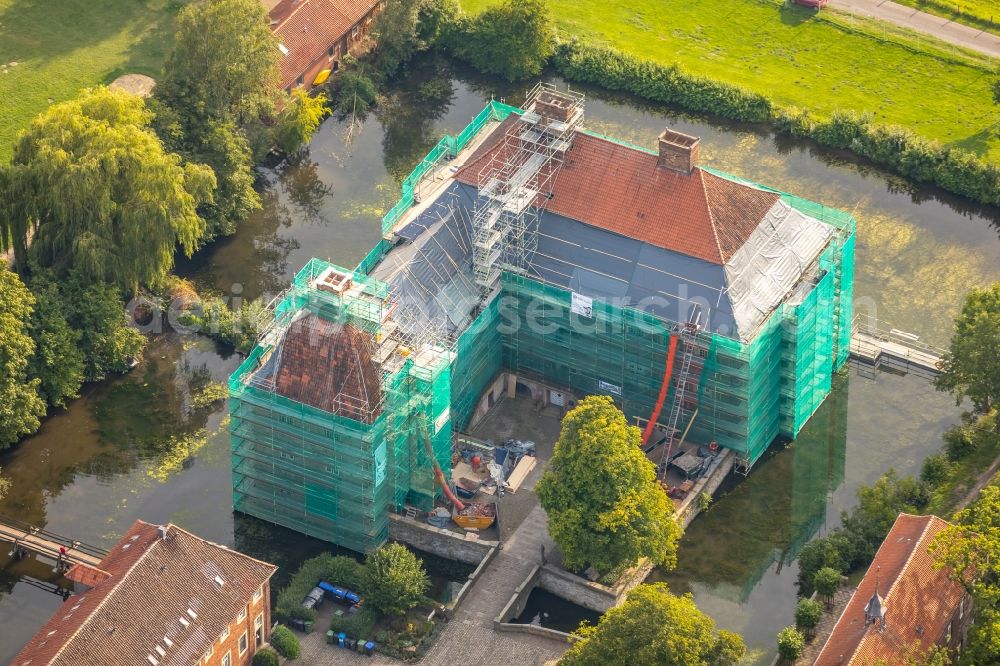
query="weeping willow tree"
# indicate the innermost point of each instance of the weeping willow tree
(93, 188)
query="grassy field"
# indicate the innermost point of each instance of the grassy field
(821, 62)
(63, 46)
(983, 14)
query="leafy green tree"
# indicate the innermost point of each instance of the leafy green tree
(100, 193)
(395, 580)
(58, 360)
(971, 366)
(20, 405)
(936, 469)
(216, 100)
(285, 642)
(406, 27)
(514, 39)
(356, 93)
(300, 116)
(223, 64)
(655, 628)
(791, 643)
(604, 504)
(969, 550)
(826, 581)
(807, 615)
(109, 344)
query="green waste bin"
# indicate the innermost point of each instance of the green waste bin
(329, 636)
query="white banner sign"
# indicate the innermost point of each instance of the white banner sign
(610, 388)
(582, 305)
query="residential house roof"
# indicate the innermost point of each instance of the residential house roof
(306, 29)
(919, 600)
(160, 592)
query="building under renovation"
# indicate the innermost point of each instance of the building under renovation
(531, 256)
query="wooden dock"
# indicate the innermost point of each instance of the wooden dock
(896, 350)
(26, 540)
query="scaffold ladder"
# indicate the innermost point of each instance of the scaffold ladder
(689, 343)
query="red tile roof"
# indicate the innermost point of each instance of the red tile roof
(308, 28)
(152, 583)
(622, 189)
(915, 595)
(330, 366)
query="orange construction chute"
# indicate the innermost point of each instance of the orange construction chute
(438, 473)
(663, 391)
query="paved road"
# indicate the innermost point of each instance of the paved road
(907, 17)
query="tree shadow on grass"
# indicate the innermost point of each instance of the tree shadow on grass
(979, 142)
(43, 30)
(794, 15)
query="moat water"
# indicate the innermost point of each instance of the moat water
(135, 447)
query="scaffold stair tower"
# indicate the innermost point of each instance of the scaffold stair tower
(686, 388)
(516, 184)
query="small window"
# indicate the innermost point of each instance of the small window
(242, 616)
(258, 592)
(258, 621)
(227, 660)
(225, 634)
(298, 81)
(208, 654)
(243, 643)
(329, 51)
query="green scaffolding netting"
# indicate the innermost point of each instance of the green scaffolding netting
(326, 475)
(337, 478)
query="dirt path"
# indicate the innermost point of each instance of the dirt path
(983, 481)
(944, 29)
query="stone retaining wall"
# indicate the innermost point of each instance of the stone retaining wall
(514, 607)
(591, 595)
(438, 540)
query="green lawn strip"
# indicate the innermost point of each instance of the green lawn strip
(982, 14)
(62, 47)
(797, 58)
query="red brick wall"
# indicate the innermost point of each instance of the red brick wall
(231, 645)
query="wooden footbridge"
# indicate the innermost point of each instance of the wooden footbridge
(26, 539)
(874, 347)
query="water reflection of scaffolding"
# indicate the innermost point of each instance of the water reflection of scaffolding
(515, 185)
(874, 347)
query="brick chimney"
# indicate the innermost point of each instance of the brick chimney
(678, 152)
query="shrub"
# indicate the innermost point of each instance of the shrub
(285, 642)
(936, 469)
(827, 581)
(356, 625)
(791, 642)
(704, 501)
(959, 442)
(336, 570)
(395, 580)
(808, 614)
(266, 657)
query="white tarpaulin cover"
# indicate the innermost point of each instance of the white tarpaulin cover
(769, 265)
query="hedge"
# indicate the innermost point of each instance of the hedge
(612, 69)
(285, 643)
(894, 148)
(336, 570)
(266, 657)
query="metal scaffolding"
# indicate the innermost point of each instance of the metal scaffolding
(516, 184)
